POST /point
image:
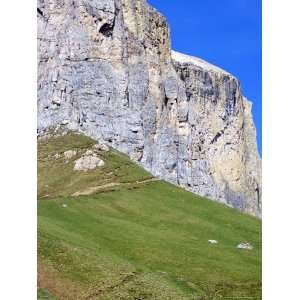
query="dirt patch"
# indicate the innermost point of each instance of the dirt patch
(95, 189)
(62, 288)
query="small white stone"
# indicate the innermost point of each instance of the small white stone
(246, 246)
(213, 241)
(64, 205)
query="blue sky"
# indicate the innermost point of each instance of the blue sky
(226, 33)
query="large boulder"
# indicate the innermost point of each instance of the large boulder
(87, 163)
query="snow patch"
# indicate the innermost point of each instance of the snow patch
(186, 59)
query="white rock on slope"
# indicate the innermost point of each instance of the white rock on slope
(245, 246)
(87, 163)
(212, 242)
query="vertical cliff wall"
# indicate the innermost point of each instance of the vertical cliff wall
(105, 68)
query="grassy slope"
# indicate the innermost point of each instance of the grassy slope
(43, 294)
(136, 240)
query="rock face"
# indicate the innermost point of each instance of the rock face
(106, 69)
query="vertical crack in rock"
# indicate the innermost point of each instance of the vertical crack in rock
(106, 67)
(40, 12)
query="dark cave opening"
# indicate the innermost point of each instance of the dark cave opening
(107, 29)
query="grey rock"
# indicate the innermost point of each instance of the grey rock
(245, 246)
(87, 163)
(106, 66)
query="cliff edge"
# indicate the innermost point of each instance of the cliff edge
(106, 69)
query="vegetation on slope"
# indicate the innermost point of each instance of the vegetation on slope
(136, 238)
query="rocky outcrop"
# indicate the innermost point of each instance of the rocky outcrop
(106, 69)
(89, 161)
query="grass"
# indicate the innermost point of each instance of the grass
(145, 240)
(44, 295)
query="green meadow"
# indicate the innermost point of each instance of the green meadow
(135, 237)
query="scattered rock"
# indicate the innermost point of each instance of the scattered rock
(101, 147)
(86, 163)
(246, 246)
(213, 241)
(70, 153)
(57, 156)
(64, 205)
(89, 152)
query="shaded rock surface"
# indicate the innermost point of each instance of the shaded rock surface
(106, 69)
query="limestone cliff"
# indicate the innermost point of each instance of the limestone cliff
(105, 68)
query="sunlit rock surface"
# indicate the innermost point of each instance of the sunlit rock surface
(106, 69)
